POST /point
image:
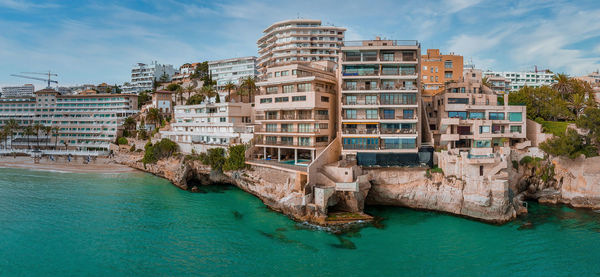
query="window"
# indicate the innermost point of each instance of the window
(483, 143)
(371, 114)
(461, 115)
(424, 77)
(389, 114)
(431, 78)
(408, 114)
(496, 116)
(288, 89)
(371, 99)
(304, 128)
(298, 98)
(515, 129)
(515, 117)
(294, 71)
(271, 90)
(322, 126)
(304, 87)
(424, 68)
(447, 64)
(350, 114)
(321, 139)
(484, 129)
(476, 115)
(277, 74)
(431, 69)
(350, 99)
(266, 100)
(284, 73)
(324, 99)
(458, 100)
(281, 99)
(222, 119)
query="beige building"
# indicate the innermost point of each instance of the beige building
(437, 69)
(380, 98)
(204, 126)
(298, 41)
(295, 112)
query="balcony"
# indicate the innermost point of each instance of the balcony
(360, 73)
(401, 131)
(292, 143)
(388, 42)
(288, 130)
(360, 102)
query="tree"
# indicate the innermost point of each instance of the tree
(217, 98)
(208, 91)
(13, 127)
(562, 85)
(570, 145)
(590, 120)
(164, 78)
(143, 97)
(215, 158)
(129, 123)
(249, 84)
(28, 131)
(486, 82)
(179, 92)
(201, 71)
(56, 132)
(577, 103)
(236, 159)
(4, 135)
(196, 99)
(173, 87)
(38, 127)
(48, 131)
(162, 149)
(117, 89)
(189, 89)
(229, 86)
(154, 116)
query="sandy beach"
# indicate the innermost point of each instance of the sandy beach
(101, 165)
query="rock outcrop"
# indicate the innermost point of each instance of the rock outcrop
(572, 182)
(412, 188)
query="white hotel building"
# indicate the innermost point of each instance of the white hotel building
(520, 79)
(18, 91)
(143, 76)
(204, 126)
(232, 70)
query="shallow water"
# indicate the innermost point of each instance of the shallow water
(134, 223)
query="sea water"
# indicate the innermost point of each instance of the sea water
(58, 224)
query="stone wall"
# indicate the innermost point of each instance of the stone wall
(535, 133)
(579, 181)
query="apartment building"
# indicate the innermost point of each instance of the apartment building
(380, 112)
(185, 71)
(298, 41)
(473, 117)
(499, 84)
(232, 70)
(437, 69)
(520, 79)
(85, 121)
(143, 76)
(200, 127)
(163, 101)
(18, 91)
(295, 112)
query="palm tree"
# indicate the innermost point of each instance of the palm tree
(12, 127)
(56, 129)
(229, 86)
(153, 115)
(189, 89)
(179, 92)
(249, 84)
(38, 127)
(4, 135)
(48, 131)
(486, 82)
(577, 103)
(28, 131)
(562, 85)
(208, 91)
(129, 123)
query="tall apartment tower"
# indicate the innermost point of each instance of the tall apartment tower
(380, 112)
(437, 69)
(298, 41)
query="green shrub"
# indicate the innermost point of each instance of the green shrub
(142, 134)
(570, 145)
(162, 149)
(122, 141)
(556, 128)
(236, 159)
(515, 165)
(526, 160)
(148, 144)
(132, 149)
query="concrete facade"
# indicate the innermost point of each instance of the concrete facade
(232, 70)
(520, 79)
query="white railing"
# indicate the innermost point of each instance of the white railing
(55, 152)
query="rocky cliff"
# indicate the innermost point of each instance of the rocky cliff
(412, 188)
(560, 180)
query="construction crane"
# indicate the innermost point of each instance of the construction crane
(49, 74)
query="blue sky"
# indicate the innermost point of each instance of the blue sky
(99, 41)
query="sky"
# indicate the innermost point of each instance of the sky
(99, 41)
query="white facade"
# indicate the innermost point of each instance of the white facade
(18, 91)
(232, 70)
(203, 126)
(520, 79)
(143, 76)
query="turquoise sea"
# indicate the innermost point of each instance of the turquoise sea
(56, 224)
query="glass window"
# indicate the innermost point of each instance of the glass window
(351, 114)
(408, 114)
(323, 99)
(448, 64)
(304, 87)
(484, 129)
(288, 88)
(299, 98)
(476, 115)
(350, 99)
(371, 99)
(389, 114)
(515, 129)
(458, 100)
(483, 143)
(517, 117)
(371, 114)
(461, 115)
(271, 90)
(281, 99)
(496, 116)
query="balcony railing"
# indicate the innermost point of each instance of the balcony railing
(360, 73)
(360, 102)
(380, 117)
(292, 117)
(292, 143)
(369, 131)
(383, 146)
(388, 42)
(288, 130)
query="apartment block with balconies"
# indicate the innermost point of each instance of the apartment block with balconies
(294, 112)
(204, 126)
(380, 97)
(298, 41)
(474, 118)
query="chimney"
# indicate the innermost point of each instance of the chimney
(377, 38)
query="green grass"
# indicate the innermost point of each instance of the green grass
(557, 128)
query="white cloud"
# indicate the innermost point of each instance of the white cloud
(23, 5)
